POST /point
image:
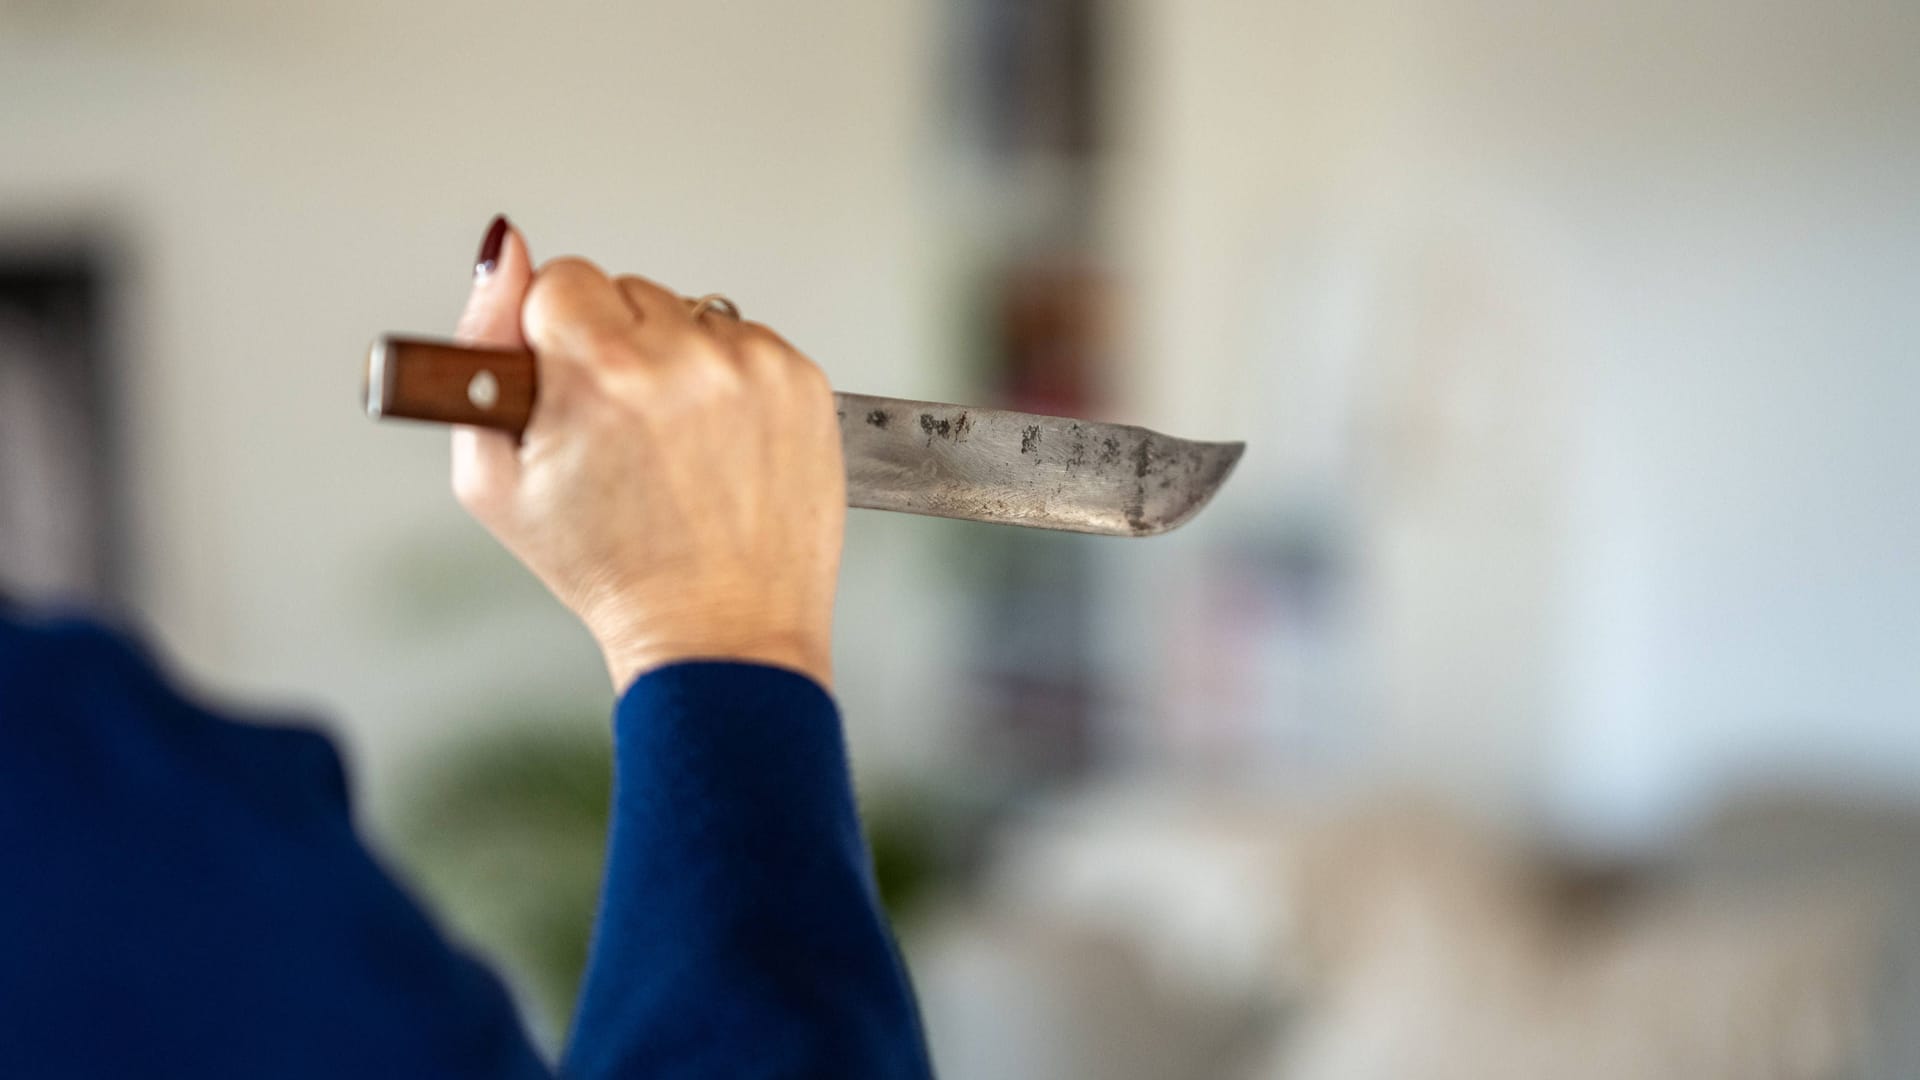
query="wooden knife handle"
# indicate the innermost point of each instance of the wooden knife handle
(438, 381)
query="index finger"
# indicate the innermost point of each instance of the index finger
(573, 309)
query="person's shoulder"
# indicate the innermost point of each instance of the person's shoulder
(37, 645)
(71, 668)
(75, 681)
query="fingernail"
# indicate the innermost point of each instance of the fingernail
(496, 239)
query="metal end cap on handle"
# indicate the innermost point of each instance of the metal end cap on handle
(378, 389)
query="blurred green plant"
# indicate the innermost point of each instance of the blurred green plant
(506, 836)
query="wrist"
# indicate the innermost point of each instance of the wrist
(629, 656)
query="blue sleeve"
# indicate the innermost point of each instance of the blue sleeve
(740, 933)
(185, 896)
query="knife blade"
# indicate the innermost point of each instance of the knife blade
(916, 457)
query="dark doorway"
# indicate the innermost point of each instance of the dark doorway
(58, 508)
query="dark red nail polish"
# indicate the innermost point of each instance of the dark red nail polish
(489, 255)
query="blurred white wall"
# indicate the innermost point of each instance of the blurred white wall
(1602, 323)
(286, 181)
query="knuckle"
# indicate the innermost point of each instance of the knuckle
(568, 270)
(557, 282)
(759, 331)
(762, 359)
(768, 355)
(761, 337)
(809, 375)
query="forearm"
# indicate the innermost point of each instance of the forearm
(740, 933)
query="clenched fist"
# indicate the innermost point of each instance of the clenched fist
(679, 485)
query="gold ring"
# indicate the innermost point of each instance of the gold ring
(712, 302)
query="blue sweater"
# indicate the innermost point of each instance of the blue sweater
(185, 896)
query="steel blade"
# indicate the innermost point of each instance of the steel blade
(1014, 468)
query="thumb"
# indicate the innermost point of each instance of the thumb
(486, 464)
(501, 275)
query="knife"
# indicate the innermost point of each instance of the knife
(915, 457)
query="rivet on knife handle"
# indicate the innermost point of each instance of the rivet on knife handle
(415, 379)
